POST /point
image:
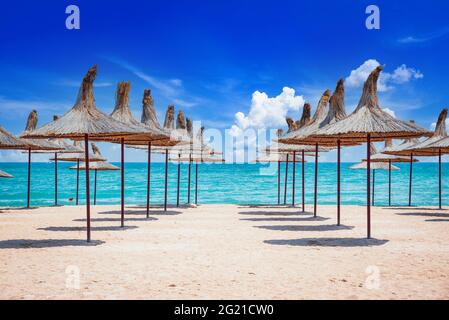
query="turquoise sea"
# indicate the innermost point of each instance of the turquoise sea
(222, 183)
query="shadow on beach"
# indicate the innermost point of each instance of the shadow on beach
(99, 228)
(116, 219)
(47, 243)
(144, 212)
(328, 242)
(269, 206)
(274, 213)
(437, 220)
(17, 209)
(424, 214)
(324, 227)
(414, 208)
(285, 219)
(159, 206)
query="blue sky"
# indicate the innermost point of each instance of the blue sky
(209, 57)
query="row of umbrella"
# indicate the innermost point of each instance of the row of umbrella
(85, 122)
(367, 123)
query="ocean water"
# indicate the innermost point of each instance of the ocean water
(222, 183)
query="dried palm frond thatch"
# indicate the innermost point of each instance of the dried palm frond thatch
(43, 145)
(305, 118)
(382, 157)
(149, 116)
(4, 174)
(98, 165)
(427, 147)
(336, 113)
(369, 119)
(74, 157)
(84, 119)
(9, 141)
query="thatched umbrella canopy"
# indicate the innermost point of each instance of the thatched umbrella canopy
(85, 121)
(9, 142)
(369, 123)
(4, 174)
(97, 166)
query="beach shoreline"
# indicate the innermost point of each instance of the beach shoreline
(224, 252)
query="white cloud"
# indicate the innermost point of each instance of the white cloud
(266, 112)
(389, 111)
(400, 75)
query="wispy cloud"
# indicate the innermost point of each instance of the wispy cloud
(171, 88)
(11, 108)
(424, 38)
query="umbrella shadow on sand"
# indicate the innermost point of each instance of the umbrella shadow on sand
(437, 220)
(414, 208)
(424, 214)
(282, 219)
(323, 227)
(328, 242)
(116, 219)
(275, 213)
(97, 228)
(155, 206)
(267, 206)
(144, 212)
(47, 243)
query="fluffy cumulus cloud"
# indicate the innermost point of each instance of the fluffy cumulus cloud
(268, 112)
(400, 75)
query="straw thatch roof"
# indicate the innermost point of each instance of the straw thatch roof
(84, 118)
(382, 157)
(336, 113)
(73, 157)
(368, 118)
(276, 147)
(9, 141)
(4, 174)
(197, 159)
(149, 116)
(98, 165)
(374, 166)
(426, 147)
(305, 118)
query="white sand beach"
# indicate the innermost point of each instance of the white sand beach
(224, 252)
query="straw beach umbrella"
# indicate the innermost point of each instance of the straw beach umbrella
(374, 166)
(368, 123)
(41, 145)
(335, 114)
(83, 122)
(96, 166)
(77, 157)
(4, 174)
(122, 113)
(433, 147)
(380, 157)
(291, 149)
(279, 158)
(414, 147)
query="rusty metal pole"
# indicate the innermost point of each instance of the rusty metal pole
(316, 181)
(389, 182)
(122, 151)
(196, 183)
(303, 180)
(294, 178)
(439, 179)
(285, 181)
(410, 182)
(338, 180)
(374, 183)
(279, 182)
(148, 179)
(77, 179)
(368, 191)
(56, 178)
(179, 179)
(29, 178)
(86, 154)
(95, 186)
(189, 177)
(166, 179)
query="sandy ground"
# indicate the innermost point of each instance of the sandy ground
(224, 252)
